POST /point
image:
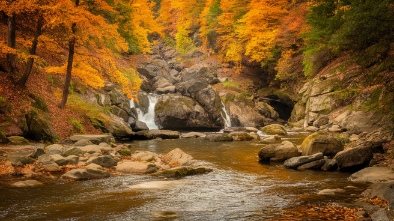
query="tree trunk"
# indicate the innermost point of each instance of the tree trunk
(71, 47)
(11, 42)
(32, 51)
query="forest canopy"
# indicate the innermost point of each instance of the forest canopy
(270, 33)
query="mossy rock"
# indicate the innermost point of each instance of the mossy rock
(274, 129)
(5, 106)
(39, 128)
(99, 124)
(3, 138)
(39, 103)
(321, 142)
(124, 152)
(18, 140)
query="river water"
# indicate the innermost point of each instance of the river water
(239, 188)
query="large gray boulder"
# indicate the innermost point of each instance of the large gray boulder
(119, 128)
(85, 174)
(278, 152)
(354, 157)
(373, 175)
(175, 112)
(321, 142)
(298, 161)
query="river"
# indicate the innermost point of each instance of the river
(239, 188)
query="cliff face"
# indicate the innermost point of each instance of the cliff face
(349, 97)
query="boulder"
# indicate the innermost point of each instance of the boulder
(278, 152)
(154, 134)
(139, 126)
(20, 158)
(145, 156)
(72, 159)
(317, 164)
(195, 78)
(59, 159)
(51, 167)
(274, 129)
(135, 167)
(27, 183)
(175, 112)
(270, 139)
(85, 174)
(45, 159)
(383, 191)
(91, 148)
(321, 142)
(74, 151)
(356, 157)
(54, 149)
(17, 140)
(96, 139)
(298, 161)
(330, 164)
(83, 142)
(267, 111)
(193, 135)
(321, 121)
(104, 161)
(241, 136)
(219, 137)
(119, 128)
(177, 157)
(38, 152)
(179, 172)
(39, 128)
(373, 175)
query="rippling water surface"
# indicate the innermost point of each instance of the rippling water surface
(239, 188)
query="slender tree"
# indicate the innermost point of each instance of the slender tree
(71, 50)
(11, 39)
(22, 81)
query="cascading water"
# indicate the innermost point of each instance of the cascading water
(147, 117)
(226, 116)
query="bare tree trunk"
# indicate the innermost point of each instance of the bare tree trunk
(71, 47)
(32, 51)
(11, 42)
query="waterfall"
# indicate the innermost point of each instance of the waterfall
(226, 117)
(149, 117)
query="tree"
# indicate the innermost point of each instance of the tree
(71, 47)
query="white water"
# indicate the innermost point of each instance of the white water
(149, 117)
(226, 116)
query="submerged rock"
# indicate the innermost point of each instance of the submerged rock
(27, 183)
(85, 174)
(219, 137)
(179, 172)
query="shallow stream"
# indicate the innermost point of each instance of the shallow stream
(239, 188)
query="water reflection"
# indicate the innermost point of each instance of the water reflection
(239, 188)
